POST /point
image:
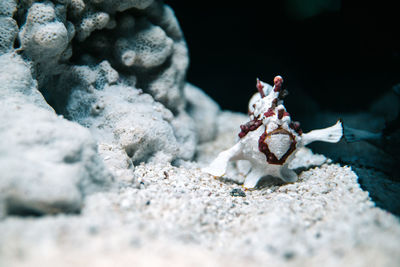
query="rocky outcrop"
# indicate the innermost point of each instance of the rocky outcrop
(92, 88)
(48, 164)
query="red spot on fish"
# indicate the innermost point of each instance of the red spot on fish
(260, 88)
(269, 113)
(295, 125)
(249, 126)
(278, 83)
(280, 113)
(274, 103)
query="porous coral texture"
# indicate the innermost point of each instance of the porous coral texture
(117, 68)
(48, 164)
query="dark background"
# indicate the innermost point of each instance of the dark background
(341, 54)
(335, 56)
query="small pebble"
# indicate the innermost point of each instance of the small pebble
(237, 192)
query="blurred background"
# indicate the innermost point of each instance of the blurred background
(342, 54)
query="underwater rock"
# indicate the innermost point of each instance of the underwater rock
(48, 163)
(140, 39)
(204, 111)
(8, 33)
(132, 121)
(8, 26)
(137, 54)
(17, 82)
(115, 67)
(147, 48)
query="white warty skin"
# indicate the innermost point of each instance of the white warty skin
(280, 137)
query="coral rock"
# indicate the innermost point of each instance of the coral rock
(49, 164)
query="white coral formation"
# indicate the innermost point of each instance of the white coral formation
(118, 5)
(147, 48)
(133, 122)
(48, 164)
(154, 48)
(270, 139)
(146, 52)
(43, 36)
(203, 111)
(115, 67)
(8, 33)
(8, 26)
(90, 23)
